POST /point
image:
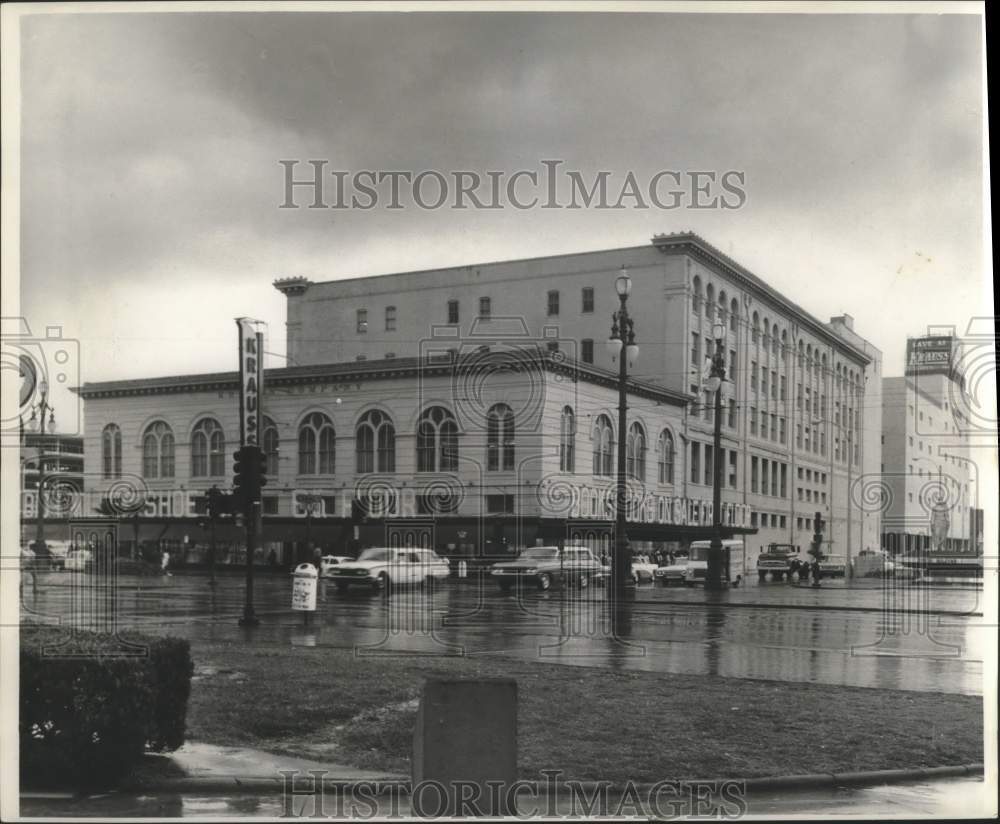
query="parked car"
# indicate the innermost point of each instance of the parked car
(545, 565)
(328, 562)
(78, 560)
(382, 568)
(643, 569)
(671, 573)
(833, 566)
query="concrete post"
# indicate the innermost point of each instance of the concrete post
(465, 748)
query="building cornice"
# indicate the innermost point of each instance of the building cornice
(691, 244)
(361, 371)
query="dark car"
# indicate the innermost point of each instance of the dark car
(546, 565)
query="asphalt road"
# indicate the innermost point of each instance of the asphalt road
(900, 637)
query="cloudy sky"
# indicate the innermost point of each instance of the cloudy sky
(151, 182)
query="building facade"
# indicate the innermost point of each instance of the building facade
(802, 422)
(499, 447)
(927, 471)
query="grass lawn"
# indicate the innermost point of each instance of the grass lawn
(593, 724)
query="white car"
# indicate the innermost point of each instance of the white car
(382, 568)
(77, 560)
(643, 569)
(675, 573)
(329, 562)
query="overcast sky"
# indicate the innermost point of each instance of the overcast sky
(150, 148)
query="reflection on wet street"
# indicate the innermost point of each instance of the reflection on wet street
(863, 636)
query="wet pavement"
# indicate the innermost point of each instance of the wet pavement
(899, 636)
(958, 797)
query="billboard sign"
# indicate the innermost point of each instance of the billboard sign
(930, 354)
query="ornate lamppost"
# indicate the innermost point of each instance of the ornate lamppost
(623, 349)
(38, 412)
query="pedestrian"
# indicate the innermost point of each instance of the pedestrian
(317, 559)
(272, 558)
(165, 562)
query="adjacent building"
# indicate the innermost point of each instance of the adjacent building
(930, 484)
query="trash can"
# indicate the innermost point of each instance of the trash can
(304, 581)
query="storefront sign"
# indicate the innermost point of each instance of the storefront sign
(251, 380)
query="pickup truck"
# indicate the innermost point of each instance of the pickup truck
(545, 565)
(776, 559)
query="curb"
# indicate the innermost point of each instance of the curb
(400, 785)
(951, 613)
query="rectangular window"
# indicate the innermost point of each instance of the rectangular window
(798, 396)
(801, 494)
(500, 504)
(774, 427)
(587, 295)
(765, 466)
(782, 433)
(731, 370)
(783, 383)
(782, 522)
(774, 386)
(774, 478)
(587, 350)
(753, 375)
(362, 317)
(763, 424)
(732, 414)
(709, 465)
(695, 462)
(732, 468)
(798, 434)
(823, 496)
(553, 308)
(390, 318)
(753, 473)
(269, 505)
(452, 311)
(774, 520)
(485, 308)
(753, 519)
(763, 382)
(784, 480)
(696, 351)
(708, 406)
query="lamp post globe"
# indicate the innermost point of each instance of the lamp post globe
(623, 284)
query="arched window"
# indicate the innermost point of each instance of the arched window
(635, 455)
(802, 355)
(666, 457)
(696, 295)
(499, 438)
(767, 333)
(734, 314)
(270, 443)
(710, 301)
(784, 346)
(208, 449)
(158, 451)
(755, 329)
(317, 445)
(567, 441)
(375, 442)
(437, 441)
(774, 339)
(604, 446)
(111, 451)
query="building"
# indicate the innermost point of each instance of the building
(62, 456)
(927, 468)
(497, 446)
(801, 427)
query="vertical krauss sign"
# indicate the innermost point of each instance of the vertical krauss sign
(251, 381)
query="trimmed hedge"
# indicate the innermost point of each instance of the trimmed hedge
(92, 704)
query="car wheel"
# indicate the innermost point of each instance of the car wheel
(382, 583)
(762, 576)
(544, 581)
(736, 583)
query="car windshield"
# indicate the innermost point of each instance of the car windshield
(536, 553)
(376, 555)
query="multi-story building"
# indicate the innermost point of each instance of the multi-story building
(926, 461)
(801, 423)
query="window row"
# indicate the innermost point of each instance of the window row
(768, 477)
(603, 453)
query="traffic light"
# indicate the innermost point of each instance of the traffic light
(217, 503)
(248, 476)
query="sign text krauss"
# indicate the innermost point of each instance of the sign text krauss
(251, 381)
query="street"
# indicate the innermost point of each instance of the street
(925, 639)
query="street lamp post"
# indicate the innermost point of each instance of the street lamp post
(623, 348)
(716, 379)
(38, 416)
(849, 543)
